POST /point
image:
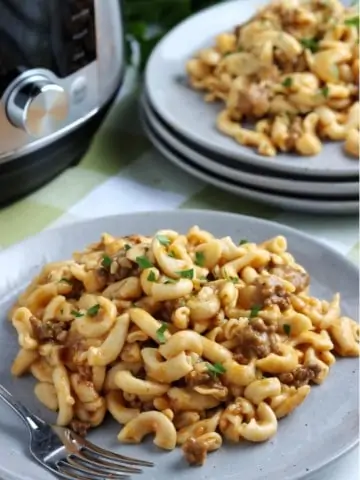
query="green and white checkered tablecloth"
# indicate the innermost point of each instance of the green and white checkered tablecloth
(123, 173)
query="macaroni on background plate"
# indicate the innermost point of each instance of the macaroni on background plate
(294, 69)
(188, 337)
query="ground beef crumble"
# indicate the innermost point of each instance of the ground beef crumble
(203, 379)
(194, 451)
(256, 339)
(300, 376)
(77, 289)
(79, 427)
(49, 331)
(270, 291)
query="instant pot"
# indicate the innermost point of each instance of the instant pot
(61, 65)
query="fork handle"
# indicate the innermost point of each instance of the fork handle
(32, 421)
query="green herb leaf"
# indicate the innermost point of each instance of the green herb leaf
(287, 82)
(160, 333)
(169, 280)
(186, 273)
(127, 247)
(243, 241)
(310, 43)
(325, 91)
(151, 277)
(93, 311)
(163, 240)
(215, 369)
(254, 311)
(352, 22)
(234, 279)
(287, 328)
(76, 313)
(171, 254)
(106, 261)
(200, 259)
(65, 280)
(144, 262)
(238, 50)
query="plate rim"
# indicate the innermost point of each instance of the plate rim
(286, 183)
(322, 207)
(323, 462)
(182, 211)
(245, 155)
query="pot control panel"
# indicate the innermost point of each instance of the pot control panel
(60, 60)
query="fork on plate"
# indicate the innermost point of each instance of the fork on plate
(69, 456)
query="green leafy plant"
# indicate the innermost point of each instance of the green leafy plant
(147, 21)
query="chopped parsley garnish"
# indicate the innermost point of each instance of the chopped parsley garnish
(310, 43)
(239, 49)
(325, 91)
(65, 280)
(171, 254)
(243, 241)
(352, 22)
(127, 247)
(163, 240)
(76, 313)
(234, 279)
(215, 369)
(254, 311)
(186, 273)
(94, 310)
(160, 333)
(151, 277)
(287, 328)
(199, 259)
(106, 261)
(143, 262)
(169, 280)
(287, 82)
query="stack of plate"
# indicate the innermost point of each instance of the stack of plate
(182, 127)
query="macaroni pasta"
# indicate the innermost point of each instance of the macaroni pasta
(293, 69)
(188, 337)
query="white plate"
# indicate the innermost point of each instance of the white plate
(322, 429)
(286, 202)
(185, 110)
(257, 179)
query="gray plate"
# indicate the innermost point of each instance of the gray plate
(257, 178)
(313, 205)
(185, 110)
(320, 431)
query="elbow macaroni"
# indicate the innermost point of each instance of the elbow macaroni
(199, 340)
(294, 69)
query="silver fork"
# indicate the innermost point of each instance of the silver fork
(68, 455)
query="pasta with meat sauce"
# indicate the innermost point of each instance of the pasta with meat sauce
(189, 337)
(293, 69)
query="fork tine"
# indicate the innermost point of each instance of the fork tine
(109, 467)
(68, 476)
(115, 456)
(71, 469)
